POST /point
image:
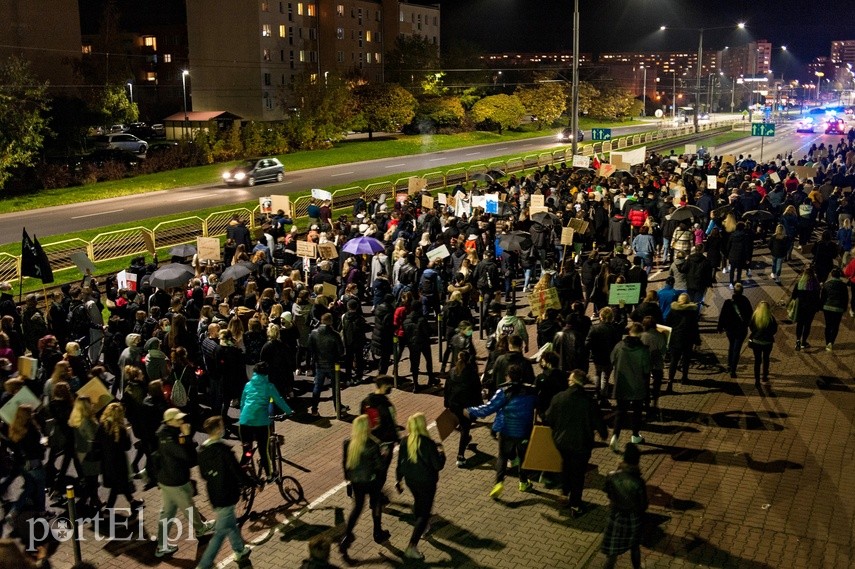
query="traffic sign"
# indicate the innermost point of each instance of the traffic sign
(601, 134)
(762, 129)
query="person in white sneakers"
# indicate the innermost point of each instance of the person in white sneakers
(631, 361)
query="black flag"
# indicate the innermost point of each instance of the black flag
(34, 261)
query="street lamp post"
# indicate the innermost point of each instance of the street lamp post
(184, 75)
(575, 87)
(733, 95)
(644, 93)
(819, 75)
(131, 90)
(674, 99)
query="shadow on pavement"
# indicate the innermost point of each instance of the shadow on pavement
(694, 549)
(659, 497)
(744, 420)
(703, 456)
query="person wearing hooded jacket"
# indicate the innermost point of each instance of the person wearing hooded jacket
(631, 361)
(255, 419)
(156, 362)
(683, 320)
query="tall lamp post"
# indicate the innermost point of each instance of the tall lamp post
(131, 90)
(644, 92)
(575, 88)
(819, 75)
(184, 75)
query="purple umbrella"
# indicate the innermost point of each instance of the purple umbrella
(363, 246)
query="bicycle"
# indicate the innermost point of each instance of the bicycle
(289, 487)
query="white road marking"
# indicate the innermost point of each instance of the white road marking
(436, 159)
(502, 148)
(473, 154)
(340, 174)
(190, 198)
(99, 213)
(395, 165)
(314, 505)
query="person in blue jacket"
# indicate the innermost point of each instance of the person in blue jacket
(514, 405)
(255, 410)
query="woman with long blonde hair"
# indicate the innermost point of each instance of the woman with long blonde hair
(85, 427)
(763, 327)
(26, 442)
(419, 461)
(363, 467)
(115, 443)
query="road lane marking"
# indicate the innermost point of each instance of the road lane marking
(395, 165)
(190, 198)
(340, 174)
(437, 159)
(99, 213)
(473, 154)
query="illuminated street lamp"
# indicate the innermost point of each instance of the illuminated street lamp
(131, 90)
(820, 75)
(184, 75)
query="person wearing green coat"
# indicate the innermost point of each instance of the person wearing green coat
(631, 362)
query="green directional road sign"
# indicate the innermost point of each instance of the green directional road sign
(762, 129)
(601, 134)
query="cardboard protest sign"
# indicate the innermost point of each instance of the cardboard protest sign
(415, 185)
(82, 262)
(127, 280)
(664, 330)
(265, 204)
(401, 198)
(305, 249)
(427, 201)
(541, 453)
(805, 172)
(775, 177)
(537, 209)
(581, 161)
(579, 225)
(149, 242)
(445, 424)
(226, 288)
(712, 181)
(330, 291)
(23, 397)
(567, 236)
(27, 367)
(536, 200)
(729, 159)
(438, 253)
(678, 170)
(541, 301)
(607, 170)
(690, 149)
(281, 202)
(97, 394)
(443, 198)
(208, 248)
(630, 293)
(322, 195)
(327, 251)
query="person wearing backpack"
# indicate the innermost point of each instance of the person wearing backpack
(383, 421)
(417, 333)
(353, 327)
(430, 286)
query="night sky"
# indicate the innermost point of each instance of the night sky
(806, 28)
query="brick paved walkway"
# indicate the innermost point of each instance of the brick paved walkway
(734, 479)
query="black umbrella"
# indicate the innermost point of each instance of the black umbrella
(505, 210)
(173, 275)
(722, 211)
(496, 173)
(621, 173)
(668, 164)
(585, 171)
(481, 177)
(758, 215)
(515, 241)
(185, 250)
(237, 272)
(546, 219)
(693, 171)
(686, 212)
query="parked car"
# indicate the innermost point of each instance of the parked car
(122, 141)
(100, 156)
(249, 172)
(566, 135)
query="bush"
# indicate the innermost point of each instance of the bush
(53, 176)
(112, 170)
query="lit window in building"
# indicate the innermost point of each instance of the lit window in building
(167, 58)
(299, 8)
(150, 41)
(368, 57)
(302, 56)
(282, 32)
(401, 16)
(368, 35)
(339, 9)
(265, 55)
(310, 9)
(339, 33)
(377, 57)
(313, 78)
(151, 76)
(265, 6)
(265, 30)
(86, 48)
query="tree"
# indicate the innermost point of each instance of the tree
(115, 107)
(614, 104)
(546, 102)
(505, 111)
(587, 94)
(384, 107)
(411, 60)
(318, 112)
(439, 112)
(23, 126)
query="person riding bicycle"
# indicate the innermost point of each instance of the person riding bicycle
(255, 415)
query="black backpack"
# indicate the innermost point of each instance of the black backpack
(78, 322)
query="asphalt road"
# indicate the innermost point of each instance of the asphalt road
(89, 215)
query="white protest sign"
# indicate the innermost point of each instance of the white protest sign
(208, 248)
(82, 262)
(442, 198)
(127, 280)
(581, 161)
(712, 181)
(438, 253)
(322, 195)
(691, 149)
(536, 200)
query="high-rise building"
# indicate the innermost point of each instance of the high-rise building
(49, 38)
(749, 60)
(245, 54)
(843, 52)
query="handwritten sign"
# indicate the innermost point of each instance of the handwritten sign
(442, 198)
(208, 248)
(729, 159)
(664, 330)
(567, 236)
(630, 293)
(491, 204)
(149, 242)
(712, 181)
(23, 397)
(805, 172)
(322, 195)
(581, 161)
(536, 200)
(541, 301)
(97, 394)
(415, 185)
(438, 254)
(534, 210)
(330, 291)
(226, 288)
(281, 202)
(27, 367)
(305, 249)
(327, 251)
(427, 201)
(775, 177)
(579, 225)
(126, 280)
(691, 149)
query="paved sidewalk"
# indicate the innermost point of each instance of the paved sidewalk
(734, 479)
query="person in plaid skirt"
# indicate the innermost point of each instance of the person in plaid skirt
(628, 498)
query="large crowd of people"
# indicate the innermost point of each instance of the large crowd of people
(178, 360)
